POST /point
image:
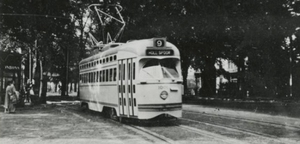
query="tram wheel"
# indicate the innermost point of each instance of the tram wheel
(112, 114)
(84, 107)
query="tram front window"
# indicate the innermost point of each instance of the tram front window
(160, 69)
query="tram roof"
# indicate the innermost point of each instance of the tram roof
(137, 47)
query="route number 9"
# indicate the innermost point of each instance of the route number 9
(159, 42)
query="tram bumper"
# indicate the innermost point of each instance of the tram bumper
(149, 111)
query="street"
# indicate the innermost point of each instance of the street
(67, 123)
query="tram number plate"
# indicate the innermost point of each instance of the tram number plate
(159, 52)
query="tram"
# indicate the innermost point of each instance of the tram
(140, 79)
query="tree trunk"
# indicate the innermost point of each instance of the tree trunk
(208, 77)
(41, 78)
(44, 90)
(185, 63)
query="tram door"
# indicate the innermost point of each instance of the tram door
(126, 84)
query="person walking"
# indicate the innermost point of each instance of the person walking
(10, 98)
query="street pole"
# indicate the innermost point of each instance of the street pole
(67, 74)
(291, 67)
(29, 55)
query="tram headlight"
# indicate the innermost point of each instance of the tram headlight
(164, 95)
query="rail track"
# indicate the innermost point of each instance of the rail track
(273, 124)
(153, 137)
(151, 134)
(266, 137)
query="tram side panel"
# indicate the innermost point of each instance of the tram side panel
(99, 95)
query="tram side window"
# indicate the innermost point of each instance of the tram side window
(110, 74)
(102, 73)
(133, 71)
(107, 75)
(86, 78)
(115, 74)
(123, 71)
(115, 57)
(97, 77)
(82, 76)
(103, 77)
(119, 71)
(94, 76)
(100, 76)
(128, 69)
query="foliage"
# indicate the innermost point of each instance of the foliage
(204, 31)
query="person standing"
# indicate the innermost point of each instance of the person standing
(10, 98)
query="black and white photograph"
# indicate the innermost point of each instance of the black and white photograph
(149, 71)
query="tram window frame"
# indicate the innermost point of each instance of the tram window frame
(107, 59)
(115, 57)
(111, 58)
(104, 60)
(100, 61)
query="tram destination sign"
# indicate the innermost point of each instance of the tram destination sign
(156, 52)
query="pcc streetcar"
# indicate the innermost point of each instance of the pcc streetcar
(140, 79)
